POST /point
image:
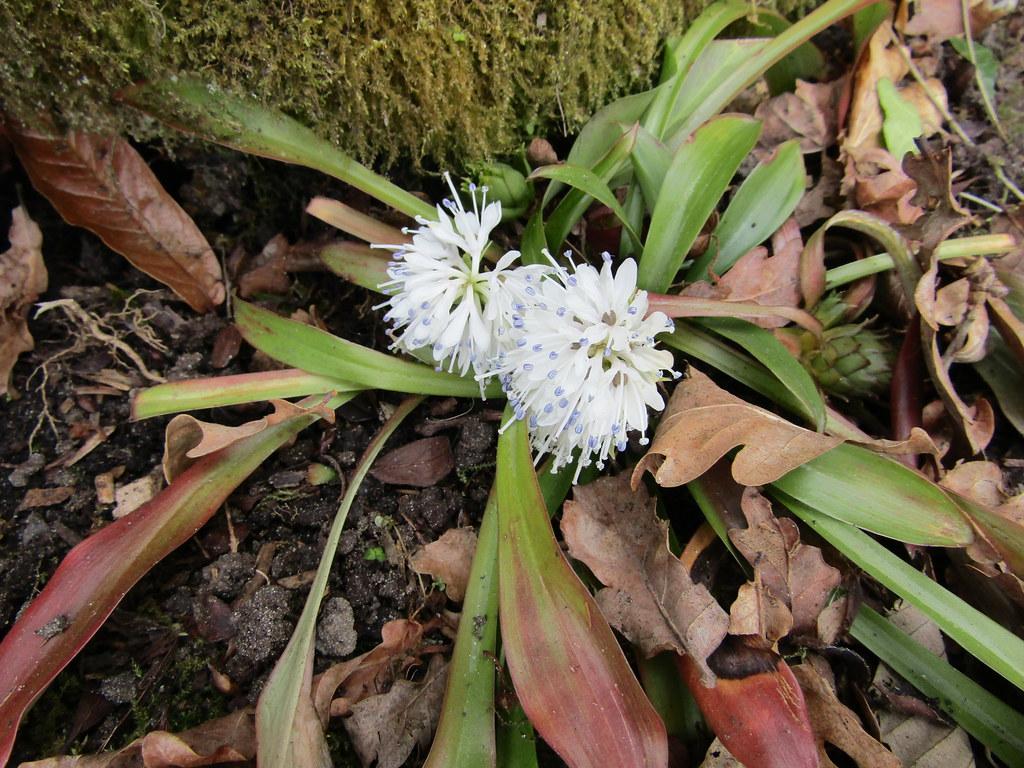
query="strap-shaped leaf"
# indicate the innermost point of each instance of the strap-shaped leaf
(700, 172)
(321, 353)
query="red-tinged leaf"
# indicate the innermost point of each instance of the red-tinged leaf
(569, 672)
(756, 708)
(101, 183)
(98, 572)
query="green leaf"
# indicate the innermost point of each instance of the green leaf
(976, 633)
(651, 161)
(729, 83)
(1000, 371)
(323, 354)
(358, 264)
(700, 172)
(575, 203)
(804, 63)
(984, 61)
(680, 56)
(978, 712)
(765, 199)
(589, 183)
(221, 391)
(861, 488)
(287, 727)
(692, 340)
(769, 351)
(867, 20)
(602, 131)
(199, 108)
(532, 245)
(902, 123)
(465, 732)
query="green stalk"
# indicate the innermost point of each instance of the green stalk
(963, 247)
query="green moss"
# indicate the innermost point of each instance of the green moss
(434, 81)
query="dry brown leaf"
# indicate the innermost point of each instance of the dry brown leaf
(449, 559)
(820, 201)
(760, 279)
(229, 739)
(649, 595)
(101, 183)
(703, 422)
(757, 611)
(932, 173)
(267, 272)
(793, 572)
(975, 422)
(421, 463)
(877, 182)
(22, 278)
(45, 497)
(133, 495)
(808, 114)
(939, 20)
(834, 723)
(353, 680)
(187, 438)
(916, 740)
(387, 727)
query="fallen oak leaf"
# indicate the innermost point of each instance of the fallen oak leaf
(187, 438)
(649, 595)
(101, 183)
(22, 278)
(834, 723)
(703, 422)
(387, 727)
(793, 571)
(449, 559)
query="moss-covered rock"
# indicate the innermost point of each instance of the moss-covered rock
(436, 81)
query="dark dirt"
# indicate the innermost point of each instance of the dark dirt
(224, 605)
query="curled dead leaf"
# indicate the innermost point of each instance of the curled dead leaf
(341, 685)
(229, 739)
(703, 422)
(101, 183)
(22, 278)
(448, 559)
(649, 595)
(835, 723)
(187, 438)
(387, 727)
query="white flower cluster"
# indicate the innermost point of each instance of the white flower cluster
(574, 351)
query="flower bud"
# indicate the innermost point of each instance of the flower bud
(850, 361)
(507, 185)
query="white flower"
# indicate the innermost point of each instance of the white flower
(584, 369)
(440, 296)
